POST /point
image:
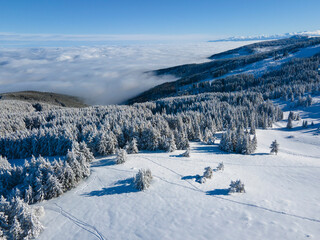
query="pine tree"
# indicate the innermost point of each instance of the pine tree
(4, 164)
(171, 145)
(52, 187)
(274, 147)
(220, 167)
(143, 179)
(16, 231)
(83, 148)
(252, 127)
(38, 190)
(121, 156)
(254, 143)
(132, 148)
(186, 153)
(208, 172)
(69, 178)
(28, 195)
(236, 186)
(246, 144)
(289, 124)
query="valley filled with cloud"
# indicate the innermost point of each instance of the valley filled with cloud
(101, 74)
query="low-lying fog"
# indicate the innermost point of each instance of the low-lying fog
(102, 74)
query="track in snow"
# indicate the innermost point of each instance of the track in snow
(85, 226)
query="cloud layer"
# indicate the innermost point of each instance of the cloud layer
(101, 75)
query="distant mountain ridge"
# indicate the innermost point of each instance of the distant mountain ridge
(61, 100)
(268, 37)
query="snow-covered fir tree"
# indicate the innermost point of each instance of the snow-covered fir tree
(186, 153)
(121, 156)
(220, 167)
(208, 172)
(143, 179)
(132, 147)
(289, 123)
(274, 147)
(236, 186)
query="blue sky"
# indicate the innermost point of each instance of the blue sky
(161, 17)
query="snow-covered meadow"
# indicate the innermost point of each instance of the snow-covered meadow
(281, 200)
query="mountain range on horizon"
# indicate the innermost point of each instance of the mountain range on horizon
(268, 37)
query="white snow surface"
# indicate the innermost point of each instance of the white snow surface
(281, 200)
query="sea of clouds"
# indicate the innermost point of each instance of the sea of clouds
(101, 74)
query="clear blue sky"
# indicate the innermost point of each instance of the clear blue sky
(210, 17)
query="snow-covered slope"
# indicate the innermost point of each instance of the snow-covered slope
(259, 68)
(281, 200)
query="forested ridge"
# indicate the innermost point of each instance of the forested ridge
(196, 78)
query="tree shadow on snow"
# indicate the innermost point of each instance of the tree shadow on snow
(177, 156)
(190, 177)
(222, 191)
(122, 186)
(259, 154)
(197, 178)
(204, 148)
(103, 162)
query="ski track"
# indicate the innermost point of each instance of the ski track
(85, 226)
(250, 165)
(86, 185)
(299, 155)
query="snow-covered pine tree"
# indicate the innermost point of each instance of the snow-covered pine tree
(16, 232)
(208, 172)
(28, 195)
(121, 156)
(246, 147)
(186, 153)
(4, 164)
(289, 124)
(132, 147)
(171, 145)
(52, 187)
(181, 139)
(252, 126)
(83, 148)
(220, 167)
(143, 179)
(38, 190)
(254, 143)
(69, 178)
(236, 186)
(274, 147)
